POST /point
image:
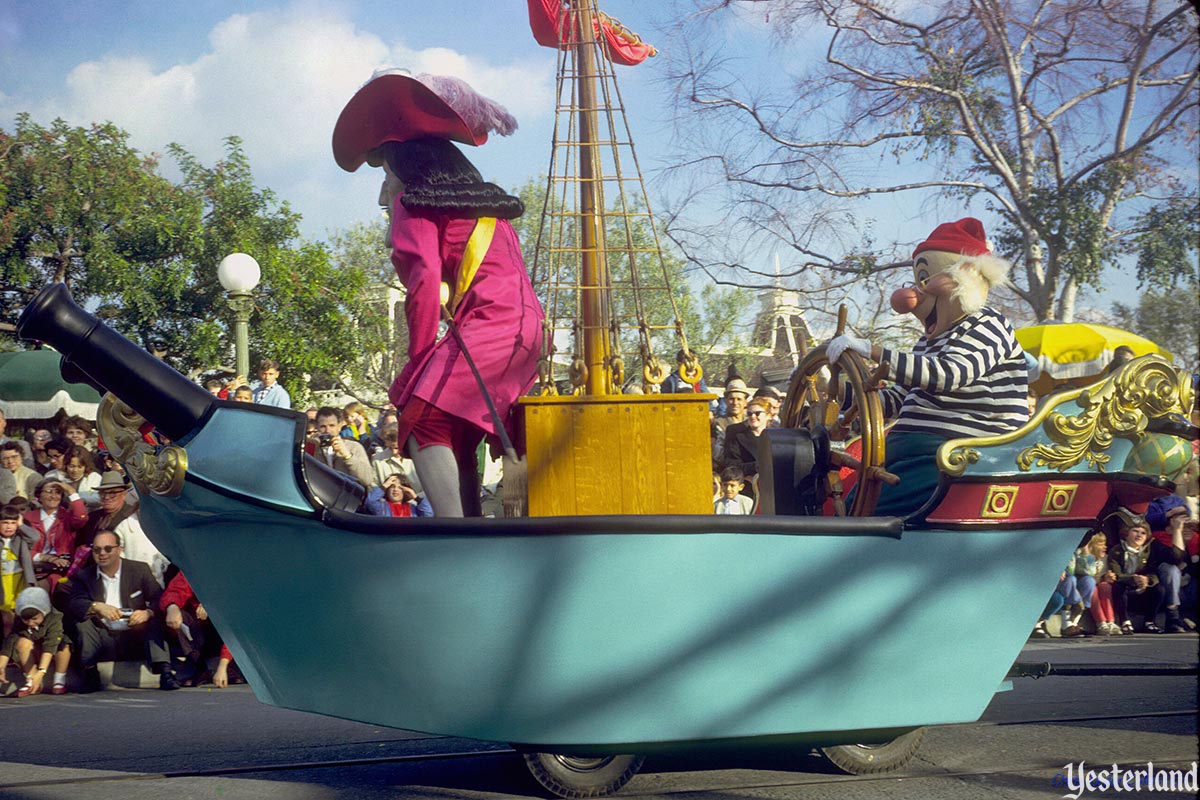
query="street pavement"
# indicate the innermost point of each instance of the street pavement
(128, 744)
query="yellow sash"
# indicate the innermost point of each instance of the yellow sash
(476, 249)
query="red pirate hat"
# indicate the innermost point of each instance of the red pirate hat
(396, 107)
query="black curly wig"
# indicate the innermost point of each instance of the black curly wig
(440, 181)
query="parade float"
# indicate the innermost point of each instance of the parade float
(616, 615)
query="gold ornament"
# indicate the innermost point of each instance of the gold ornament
(1059, 499)
(160, 473)
(1143, 389)
(999, 502)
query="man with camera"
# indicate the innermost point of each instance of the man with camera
(112, 606)
(344, 455)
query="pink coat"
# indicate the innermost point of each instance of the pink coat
(499, 318)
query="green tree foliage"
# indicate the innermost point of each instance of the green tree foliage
(1168, 318)
(305, 304)
(80, 205)
(362, 248)
(1165, 243)
(1073, 124)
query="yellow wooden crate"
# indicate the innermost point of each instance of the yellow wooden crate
(618, 454)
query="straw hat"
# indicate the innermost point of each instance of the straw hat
(737, 386)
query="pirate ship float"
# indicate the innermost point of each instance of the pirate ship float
(617, 617)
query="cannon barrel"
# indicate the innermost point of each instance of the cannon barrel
(110, 362)
(95, 354)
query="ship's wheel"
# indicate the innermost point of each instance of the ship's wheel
(813, 403)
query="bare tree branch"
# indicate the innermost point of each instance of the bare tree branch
(1068, 118)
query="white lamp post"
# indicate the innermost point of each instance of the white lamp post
(239, 274)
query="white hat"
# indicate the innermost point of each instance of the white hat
(33, 597)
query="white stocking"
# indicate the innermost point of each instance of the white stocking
(438, 471)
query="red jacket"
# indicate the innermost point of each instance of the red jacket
(67, 519)
(179, 593)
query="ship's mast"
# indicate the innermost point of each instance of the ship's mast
(594, 283)
(598, 262)
(599, 272)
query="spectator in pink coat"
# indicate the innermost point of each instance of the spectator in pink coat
(60, 513)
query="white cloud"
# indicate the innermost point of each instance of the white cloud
(278, 80)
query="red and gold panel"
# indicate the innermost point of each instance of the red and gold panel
(1033, 501)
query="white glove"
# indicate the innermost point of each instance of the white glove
(840, 344)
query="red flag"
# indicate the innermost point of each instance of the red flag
(548, 18)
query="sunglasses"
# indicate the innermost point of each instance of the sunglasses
(100, 548)
(755, 414)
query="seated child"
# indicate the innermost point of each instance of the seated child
(36, 640)
(1172, 525)
(732, 501)
(1086, 570)
(397, 498)
(1102, 605)
(191, 635)
(1058, 599)
(1142, 571)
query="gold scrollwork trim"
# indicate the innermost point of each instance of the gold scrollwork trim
(956, 460)
(1122, 405)
(162, 472)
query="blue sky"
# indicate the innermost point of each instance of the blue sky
(277, 72)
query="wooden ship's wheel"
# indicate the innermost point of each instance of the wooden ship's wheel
(815, 404)
(598, 269)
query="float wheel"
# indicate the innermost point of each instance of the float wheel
(581, 776)
(871, 759)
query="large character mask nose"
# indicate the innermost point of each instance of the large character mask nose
(905, 299)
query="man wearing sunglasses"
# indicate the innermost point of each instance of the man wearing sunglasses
(111, 604)
(741, 442)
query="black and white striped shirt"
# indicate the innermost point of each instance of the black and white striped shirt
(971, 380)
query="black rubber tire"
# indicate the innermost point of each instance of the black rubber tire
(871, 759)
(577, 777)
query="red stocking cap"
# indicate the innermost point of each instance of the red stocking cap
(965, 237)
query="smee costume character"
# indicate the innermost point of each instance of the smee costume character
(966, 375)
(441, 209)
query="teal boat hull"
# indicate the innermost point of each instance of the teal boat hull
(597, 639)
(620, 634)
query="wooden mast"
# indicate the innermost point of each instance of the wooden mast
(595, 283)
(590, 448)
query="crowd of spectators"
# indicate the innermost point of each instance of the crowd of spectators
(79, 579)
(1138, 566)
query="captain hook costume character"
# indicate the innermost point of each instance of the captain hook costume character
(458, 258)
(966, 376)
